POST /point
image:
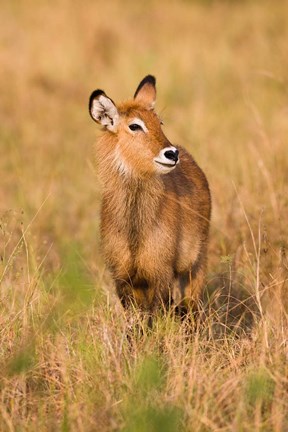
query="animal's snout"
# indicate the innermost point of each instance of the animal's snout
(167, 159)
(172, 155)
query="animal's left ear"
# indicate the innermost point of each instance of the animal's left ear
(146, 92)
(103, 110)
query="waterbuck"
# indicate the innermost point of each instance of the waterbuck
(155, 206)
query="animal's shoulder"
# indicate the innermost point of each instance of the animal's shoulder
(186, 177)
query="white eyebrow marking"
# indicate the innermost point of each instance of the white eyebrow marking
(139, 122)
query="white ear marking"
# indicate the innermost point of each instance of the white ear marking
(105, 112)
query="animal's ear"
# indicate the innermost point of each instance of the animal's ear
(103, 110)
(146, 92)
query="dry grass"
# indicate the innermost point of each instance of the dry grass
(70, 358)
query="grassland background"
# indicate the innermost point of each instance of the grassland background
(66, 360)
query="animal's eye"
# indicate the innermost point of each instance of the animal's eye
(134, 127)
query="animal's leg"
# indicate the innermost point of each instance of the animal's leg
(191, 284)
(151, 296)
(148, 296)
(144, 294)
(164, 298)
(125, 293)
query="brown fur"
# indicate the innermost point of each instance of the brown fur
(154, 227)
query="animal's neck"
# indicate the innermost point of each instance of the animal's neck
(132, 203)
(134, 197)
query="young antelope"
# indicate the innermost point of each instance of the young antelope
(155, 206)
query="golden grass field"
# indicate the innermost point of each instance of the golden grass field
(70, 359)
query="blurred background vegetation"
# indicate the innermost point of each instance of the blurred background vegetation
(221, 69)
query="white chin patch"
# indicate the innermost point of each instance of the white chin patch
(162, 163)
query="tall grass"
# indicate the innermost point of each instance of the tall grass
(71, 358)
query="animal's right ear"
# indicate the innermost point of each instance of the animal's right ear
(103, 110)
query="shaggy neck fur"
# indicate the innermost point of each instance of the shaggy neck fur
(131, 200)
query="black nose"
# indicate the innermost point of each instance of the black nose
(172, 155)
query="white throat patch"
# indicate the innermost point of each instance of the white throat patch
(121, 166)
